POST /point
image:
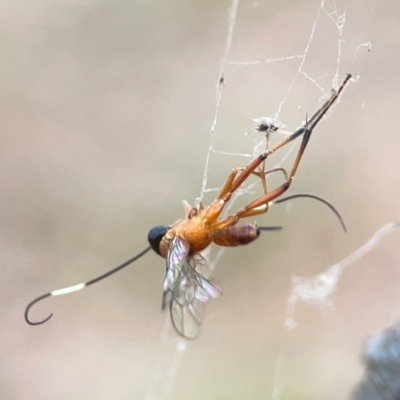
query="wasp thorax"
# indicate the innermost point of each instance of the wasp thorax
(155, 236)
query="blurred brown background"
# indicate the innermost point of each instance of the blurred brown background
(106, 108)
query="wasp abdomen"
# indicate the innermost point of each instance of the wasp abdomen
(236, 235)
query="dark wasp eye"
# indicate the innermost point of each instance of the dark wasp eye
(155, 235)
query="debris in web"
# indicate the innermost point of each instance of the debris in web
(265, 124)
(319, 290)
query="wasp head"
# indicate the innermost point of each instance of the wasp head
(155, 236)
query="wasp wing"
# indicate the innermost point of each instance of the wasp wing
(186, 290)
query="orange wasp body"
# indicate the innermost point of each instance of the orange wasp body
(201, 228)
(187, 286)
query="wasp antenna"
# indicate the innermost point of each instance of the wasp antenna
(80, 286)
(312, 196)
(28, 307)
(270, 228)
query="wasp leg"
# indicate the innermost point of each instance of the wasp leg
(263, 174)
(309, 126)
(226, 188)
(234, 180)
(231, 220)
(273, 194)
(225, 222)
(216, 208)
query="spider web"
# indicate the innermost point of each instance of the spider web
(317, 63)
(114, 112)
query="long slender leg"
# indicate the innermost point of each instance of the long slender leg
(273, 194)
(228, 183)
(232, 219)
(226, 188)
(233, 182)
(261, 169)
(260, 204)
(310, 125)
(265, 173)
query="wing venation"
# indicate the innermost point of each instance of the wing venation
(186, 289)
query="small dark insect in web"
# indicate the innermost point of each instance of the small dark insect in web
(265, 124)
(188, 283)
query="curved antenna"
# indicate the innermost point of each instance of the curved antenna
(80, 286)
(312, 196)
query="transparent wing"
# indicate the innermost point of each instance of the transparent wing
(186, 290)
